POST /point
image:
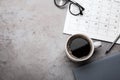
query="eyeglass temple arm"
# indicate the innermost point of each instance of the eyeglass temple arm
(82, 8)
(77, 5)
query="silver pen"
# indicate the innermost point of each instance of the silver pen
(113, 44)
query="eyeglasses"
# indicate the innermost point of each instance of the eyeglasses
(74, 8)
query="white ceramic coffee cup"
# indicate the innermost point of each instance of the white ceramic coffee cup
(93, 46)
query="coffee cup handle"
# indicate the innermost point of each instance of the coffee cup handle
(97, 44)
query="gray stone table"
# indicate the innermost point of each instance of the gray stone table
(32, 42)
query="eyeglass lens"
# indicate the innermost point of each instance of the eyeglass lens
(74, 9)
(60, 3)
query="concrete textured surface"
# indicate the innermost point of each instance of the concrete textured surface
(32, 42)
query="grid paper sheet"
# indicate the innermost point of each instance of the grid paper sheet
(101, 20)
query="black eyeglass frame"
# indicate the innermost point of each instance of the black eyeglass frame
(71, 3)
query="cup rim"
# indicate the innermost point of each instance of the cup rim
(80, 59)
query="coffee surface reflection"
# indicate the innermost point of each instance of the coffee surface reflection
(79, 47)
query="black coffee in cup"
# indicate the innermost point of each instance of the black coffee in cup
(79, 46)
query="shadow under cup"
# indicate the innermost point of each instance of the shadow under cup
(79, 47)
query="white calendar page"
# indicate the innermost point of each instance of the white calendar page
(101, 20)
